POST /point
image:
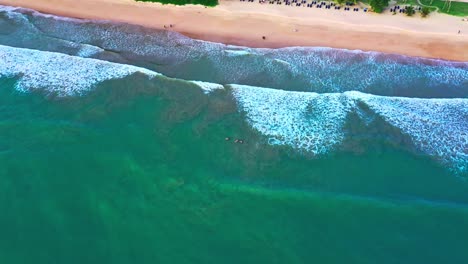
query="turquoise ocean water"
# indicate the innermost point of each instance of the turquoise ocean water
(113, 150)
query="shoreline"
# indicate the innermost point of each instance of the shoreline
(244, 24)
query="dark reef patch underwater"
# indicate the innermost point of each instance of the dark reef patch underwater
(110, 153)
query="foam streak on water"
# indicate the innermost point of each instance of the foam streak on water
(208, 87)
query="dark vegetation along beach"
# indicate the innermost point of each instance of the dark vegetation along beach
(121, 144)
(184, 2)
(456, 8)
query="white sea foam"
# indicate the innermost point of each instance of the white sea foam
(315, 122)
(39, 14)
(307, 121)
(437, 127)
(282, 62)
(88, 50)
(59, 73)
(8, 8)
(337, 70)
(208, 87)
(237, 52)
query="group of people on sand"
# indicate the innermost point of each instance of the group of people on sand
(170, 26)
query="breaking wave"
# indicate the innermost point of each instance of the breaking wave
(315, 123)
(437, 127)
(307, 121)
(66, 75)
(59, 73)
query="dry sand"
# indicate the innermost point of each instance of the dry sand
(243, 23)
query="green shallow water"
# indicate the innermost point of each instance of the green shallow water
(139, 172)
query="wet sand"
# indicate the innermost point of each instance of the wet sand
(274, 26)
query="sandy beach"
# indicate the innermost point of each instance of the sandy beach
(245, 24)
